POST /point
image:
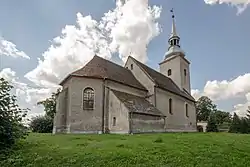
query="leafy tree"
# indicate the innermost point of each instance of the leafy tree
(49, 104)
(41, 124)
(248, 113)
(235, 126)
(11, 117)
(44, 124)
(211, 124)
(222, 116)
(204, 107)
(244, 126)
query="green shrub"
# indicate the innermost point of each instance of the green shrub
(41, 124)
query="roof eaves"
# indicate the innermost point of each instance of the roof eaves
(143, 113)
(161, 87)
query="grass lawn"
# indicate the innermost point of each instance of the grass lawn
(159, 150)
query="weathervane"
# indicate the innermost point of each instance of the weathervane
(172, 11)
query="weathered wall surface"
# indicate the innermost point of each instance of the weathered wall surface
(185, 82)
(142, 77)
(124, 88)
(172, 63)
(61, 112)
(109, 101)
(178, 121)
(146, 123)
(85, 121)
(118, 111)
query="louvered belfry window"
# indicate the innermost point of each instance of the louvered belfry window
(88, 99)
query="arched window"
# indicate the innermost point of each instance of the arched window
(169, 72)
(88, 99)
(186, 109)
(170, 106)
(131, 66)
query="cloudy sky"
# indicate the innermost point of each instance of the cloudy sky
(42, 41)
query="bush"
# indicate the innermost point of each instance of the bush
(41, 124)
(11, 117)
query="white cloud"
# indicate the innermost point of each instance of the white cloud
(241, 109)
(27, 96)
(227, 89)
(8, 48)
(196, 93)
(8, 74)
(126, 29)
(240, 4)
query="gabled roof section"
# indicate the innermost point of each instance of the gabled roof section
(136, 104)
(163, 81)
(101, 68)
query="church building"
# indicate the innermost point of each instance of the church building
(104, 97)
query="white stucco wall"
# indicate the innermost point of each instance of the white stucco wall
(177, 64)
(142, 77)
(172, 63)
(178, 120)
(185, 83)
(120, 112)
(85, 121)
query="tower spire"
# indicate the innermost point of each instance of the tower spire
(174, 39)
(173, 33)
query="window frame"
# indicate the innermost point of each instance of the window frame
(89, 93)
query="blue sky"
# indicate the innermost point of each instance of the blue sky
(215, 39)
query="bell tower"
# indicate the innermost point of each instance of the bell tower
(175, 65)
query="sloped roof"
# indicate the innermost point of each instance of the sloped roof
(163, 81)
(101, 68)
(136, 104)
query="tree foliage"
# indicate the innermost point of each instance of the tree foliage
(248, 113)
(204, 107)
(240, 125)
(222, 116)
(11, 117)
(49, 104)
(44, 124)
(211, 124)
(235, 125)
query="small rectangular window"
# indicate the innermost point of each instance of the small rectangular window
(114, 121)
(131, 66)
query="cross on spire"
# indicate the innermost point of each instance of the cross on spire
(172, 11)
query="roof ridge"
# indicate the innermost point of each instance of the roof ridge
(111, 62)
(149, 67)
